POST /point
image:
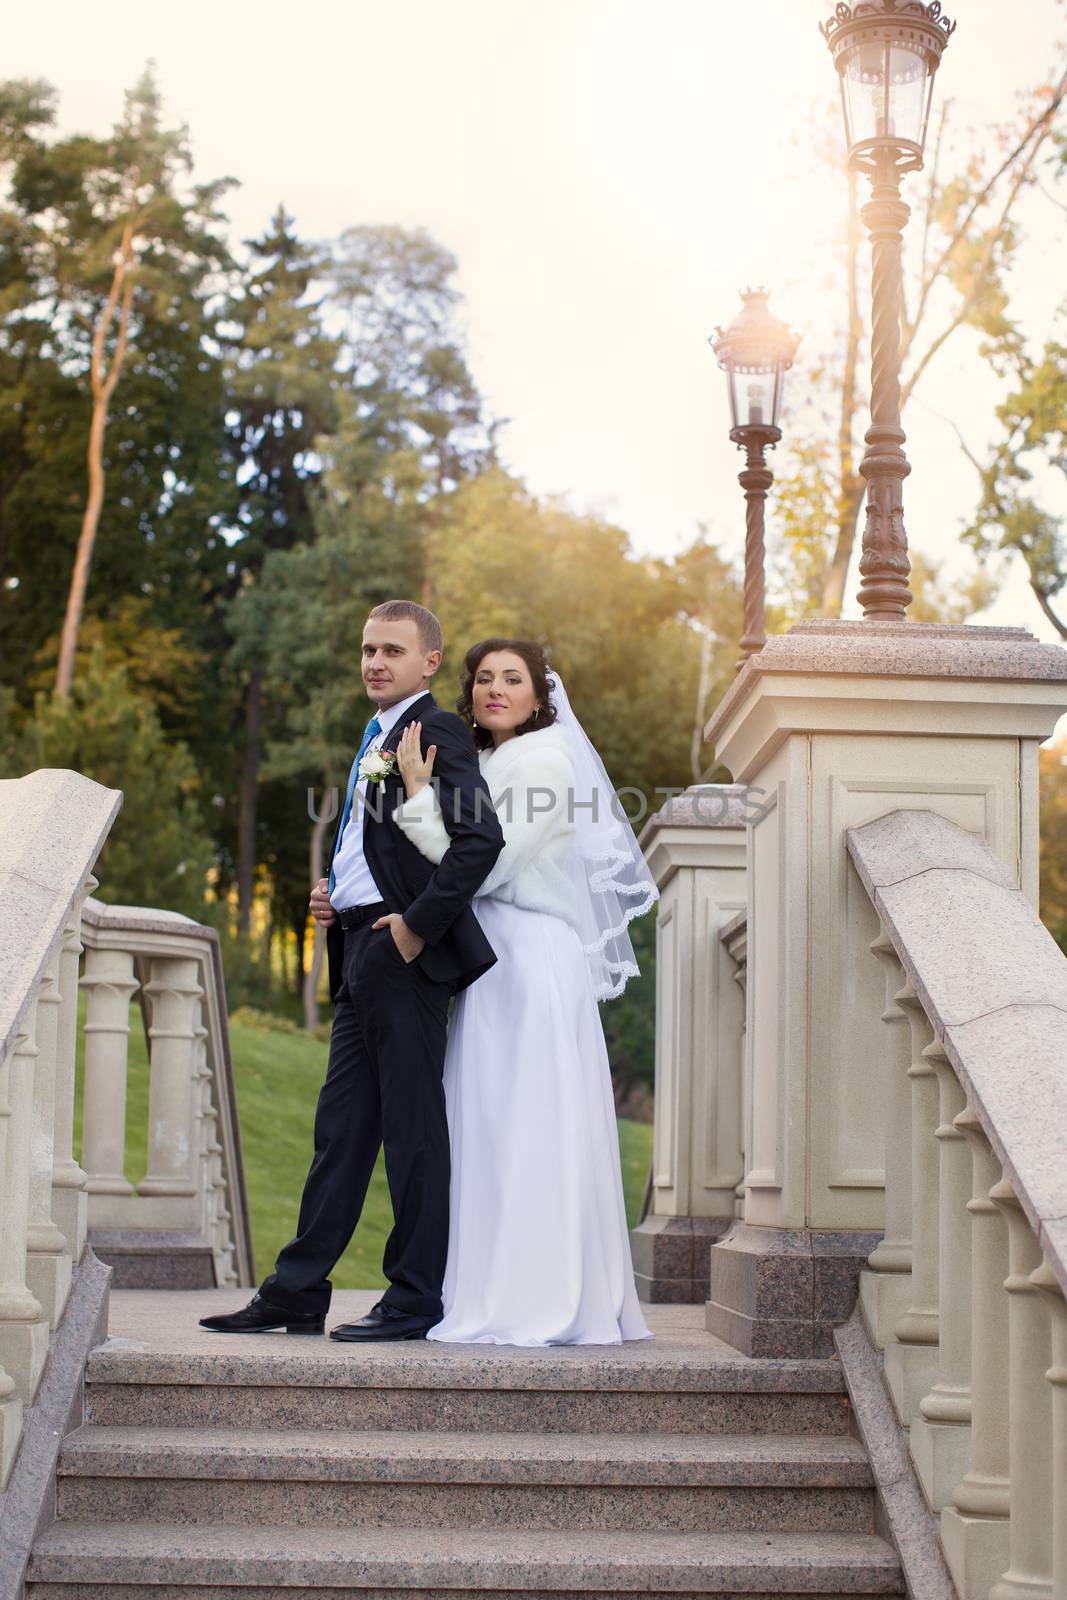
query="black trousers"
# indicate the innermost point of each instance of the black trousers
(383, 1086)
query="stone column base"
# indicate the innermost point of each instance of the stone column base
(976, 1550)
(155, 1260)
(671, 1258)
(780, 1292)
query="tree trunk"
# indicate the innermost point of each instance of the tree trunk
(696, 742)
(311, 977)
(298, 923)
(118, 303)
(246, 815)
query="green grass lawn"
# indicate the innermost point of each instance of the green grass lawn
(278, 1075)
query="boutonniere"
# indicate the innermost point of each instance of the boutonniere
(377, 765)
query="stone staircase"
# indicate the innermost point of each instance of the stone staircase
(275, 1466)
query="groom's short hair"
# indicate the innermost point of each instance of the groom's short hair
(431, 635)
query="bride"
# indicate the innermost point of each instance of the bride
(538, 1249)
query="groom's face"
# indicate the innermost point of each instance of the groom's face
(395, 662)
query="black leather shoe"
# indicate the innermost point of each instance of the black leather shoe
(384, 1322)
(259, 1315)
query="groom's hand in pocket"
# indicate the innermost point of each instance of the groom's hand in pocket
(409, 944)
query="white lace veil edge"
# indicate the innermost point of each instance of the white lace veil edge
(615, 885)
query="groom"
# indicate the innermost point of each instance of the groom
(401, 938)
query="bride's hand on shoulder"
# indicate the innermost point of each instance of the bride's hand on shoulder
(416, 769)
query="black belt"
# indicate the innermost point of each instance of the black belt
(356, 916)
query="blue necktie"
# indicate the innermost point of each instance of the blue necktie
(370, 732)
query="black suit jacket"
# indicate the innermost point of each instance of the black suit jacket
(435, 901)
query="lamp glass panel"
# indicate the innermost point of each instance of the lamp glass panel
(865, 80)
(734, 397)
(756, 397)
(908, 73)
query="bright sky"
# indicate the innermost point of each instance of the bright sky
(609, 174)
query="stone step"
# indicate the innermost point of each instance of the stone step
(476, 1481)
(492, 1389)
(158, 1562)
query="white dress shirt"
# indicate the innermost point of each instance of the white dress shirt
(354, 883)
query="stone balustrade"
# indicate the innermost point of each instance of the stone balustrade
(52, 827)
(185, 1225)
(965, 1296)
(695, 846)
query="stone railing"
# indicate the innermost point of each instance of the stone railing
(185, 1225)
(53, 826)
(695, 846)
(965, 1292)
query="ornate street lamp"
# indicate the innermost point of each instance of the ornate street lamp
(756, 351)
(886, 53)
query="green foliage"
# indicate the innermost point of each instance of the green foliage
(630, 1021)
(1053, 780)
(1030, 454)
(158, 852)
(622, 631)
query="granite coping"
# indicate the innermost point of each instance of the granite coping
(154, 1338)
(895, 649)
(52, 826)
(913, 1527)
(702, 805)
(144, 919)
(993, 984)
(26, 1505)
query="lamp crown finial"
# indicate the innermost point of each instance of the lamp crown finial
(868, 9)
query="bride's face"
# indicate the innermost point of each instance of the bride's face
(503, 694)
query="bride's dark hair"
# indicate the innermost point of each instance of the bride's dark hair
(534, 657)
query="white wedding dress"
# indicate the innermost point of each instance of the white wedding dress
(538, 1248)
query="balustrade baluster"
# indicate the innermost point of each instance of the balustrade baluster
(941, 1433)
(108, 983)
(1029, 1573)
(885, 1284)
(1044, 1280)
(911, 1353)
(68, 1179)
(975, 1526)
(174, 995)
(23, 1323)
(48, 1260)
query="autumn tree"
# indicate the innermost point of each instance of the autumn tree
(960, 250)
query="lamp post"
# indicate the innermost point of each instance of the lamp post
(886, 53)
(755, 350)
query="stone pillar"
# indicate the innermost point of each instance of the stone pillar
(174, 996)
(885, 1283)
(108, 983)
(695, 846)
(839, 723)
(48, 1260)
(68, 1179)
(974, 1528)
(941, 1433)
(1029, 1573)
(23, 1323)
